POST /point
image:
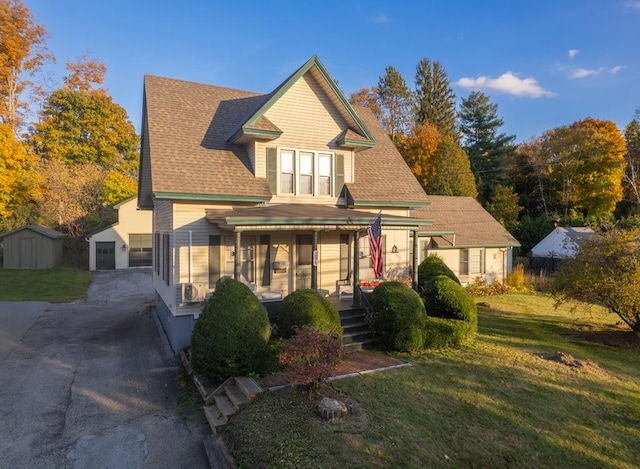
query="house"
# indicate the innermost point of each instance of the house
(276, 190)
(470, 241)
(126, 243)
(560, 243)
(32, 247)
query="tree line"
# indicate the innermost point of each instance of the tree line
(68, 153)
(577, 174)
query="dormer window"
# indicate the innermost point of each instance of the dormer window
(302, 172)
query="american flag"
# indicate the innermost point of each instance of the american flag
(375, 245)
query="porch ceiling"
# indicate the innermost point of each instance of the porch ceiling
(287, 217)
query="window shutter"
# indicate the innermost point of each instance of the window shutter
(272, 169)
(265, 259)
(214, 260)
(339, 174)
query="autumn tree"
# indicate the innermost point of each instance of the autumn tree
(396, 101)
(605, 271)
(22, 52)
(367, 97)
(486, 146)
(631, 175)
(504, 206)
(435, 100)
(19, 182)
(438, 163)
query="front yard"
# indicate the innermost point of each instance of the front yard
(538, 389)
(59, 285)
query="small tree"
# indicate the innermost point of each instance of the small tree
(605, 270)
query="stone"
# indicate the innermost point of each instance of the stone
(331, 409)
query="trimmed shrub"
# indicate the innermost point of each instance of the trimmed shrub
(307, 307)
(232, 335)
(431, 267)
(441, 333)
(310, 357)
(444, 298)
(399, 317)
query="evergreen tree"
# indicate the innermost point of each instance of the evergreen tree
(487, 149)
(435, 100)
(453, 174)
(396, 102)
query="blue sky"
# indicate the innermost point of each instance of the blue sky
(546, 63)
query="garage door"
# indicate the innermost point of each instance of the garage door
(106, 256)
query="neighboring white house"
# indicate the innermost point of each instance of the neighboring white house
(561, 242)
(127, 243)
(467, 238)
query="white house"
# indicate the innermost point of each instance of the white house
(127, 243)
(561, 242)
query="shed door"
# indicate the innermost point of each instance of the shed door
(27, 259)
(106, 256)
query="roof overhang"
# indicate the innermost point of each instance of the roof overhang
(295, 217)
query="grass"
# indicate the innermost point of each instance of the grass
(58, 285)
(495, 404)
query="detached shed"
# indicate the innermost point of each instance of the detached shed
(32, 247)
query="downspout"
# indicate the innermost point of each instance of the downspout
(190, 253)
(416, 254)
(356, 268)
(314, 261)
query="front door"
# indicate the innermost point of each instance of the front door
(106, 256)
(304, 258)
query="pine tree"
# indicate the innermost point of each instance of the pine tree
(435, 100)
(396, 102)
(487, 149)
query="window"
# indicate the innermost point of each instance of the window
(305, 172)
(166, 258)
(140, 250)
(156, 249)
(344, 257)
(471, 261)
(247, 257)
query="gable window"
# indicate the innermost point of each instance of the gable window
(305, 172)
(471, 261)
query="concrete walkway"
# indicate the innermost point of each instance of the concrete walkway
(93, 384)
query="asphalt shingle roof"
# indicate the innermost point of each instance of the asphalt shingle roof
(471, 223)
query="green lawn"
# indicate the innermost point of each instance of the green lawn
(59, 285)
(499, 403)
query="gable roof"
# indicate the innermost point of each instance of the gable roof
(48, 232)
(313, 65)
(577, 234)
(467, 219)
(186, 152)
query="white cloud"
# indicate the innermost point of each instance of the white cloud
(588, 72)
(380, 18)
(508, 83)
(573, 53)
(632, 5)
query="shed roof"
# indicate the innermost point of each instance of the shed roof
(467, 219)
(48, 232)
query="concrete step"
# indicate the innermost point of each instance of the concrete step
(214, 417)
(359, 345)
(226, 408)
(248, 386)
(235, 395)
(354, 329)
(217, 453)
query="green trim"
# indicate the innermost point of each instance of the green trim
(355, 143)
(288, 83)
(266, 134)
(212, 197)
(467, 246)
(351, 221)
(384, 203)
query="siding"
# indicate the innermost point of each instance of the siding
(43, 252)
(162, 223)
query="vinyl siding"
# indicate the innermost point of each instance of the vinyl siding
(162, 223)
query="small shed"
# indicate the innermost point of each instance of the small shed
(562, 242)
(32, 247)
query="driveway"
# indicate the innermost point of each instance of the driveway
(94, 384)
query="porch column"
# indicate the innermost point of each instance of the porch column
(356, 269)
(237, 257)
(314, 261)
(416, 256)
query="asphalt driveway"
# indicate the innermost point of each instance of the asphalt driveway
(94, 384)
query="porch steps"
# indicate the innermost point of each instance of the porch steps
(356, 333)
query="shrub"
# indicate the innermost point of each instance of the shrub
(431, 267)
(310, 356)
(232, 335)
(444, 298)
(440, 333)
(516, 278)
(308, 307)
(479, 288)
(399, 317)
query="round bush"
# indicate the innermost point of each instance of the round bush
(430, 268)
(307, 307)
(444, 298)
(399, 317)
(232, 335)
(440, 333)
